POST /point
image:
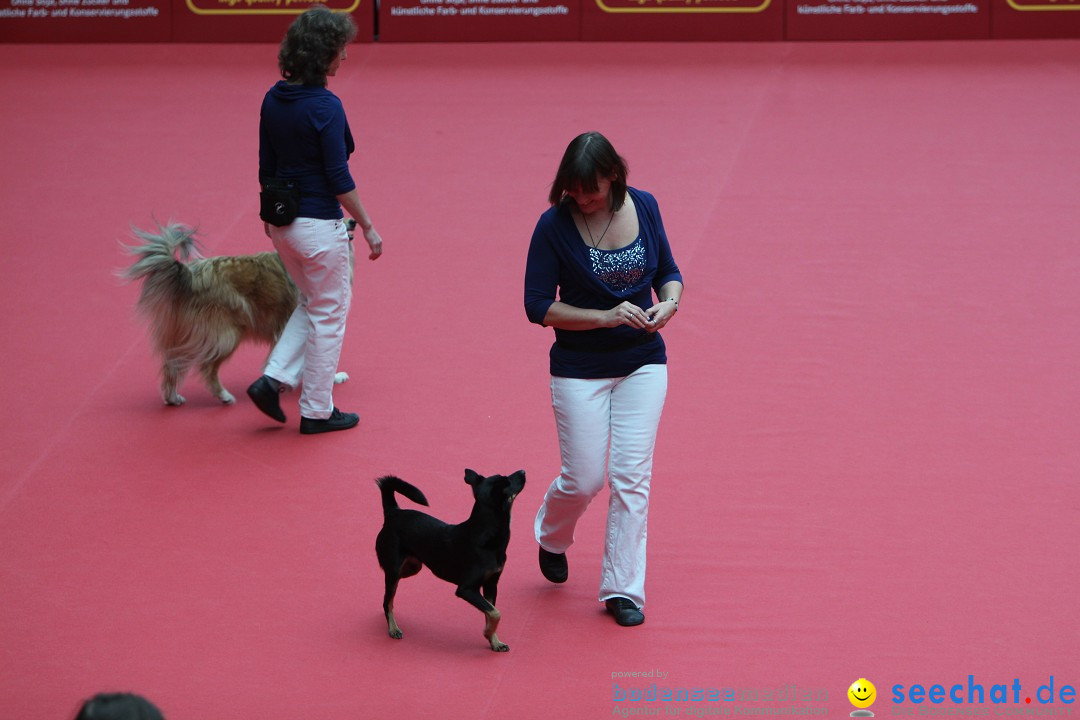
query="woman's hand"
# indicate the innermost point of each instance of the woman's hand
(627, 313)
(660, 313)
(374, 242)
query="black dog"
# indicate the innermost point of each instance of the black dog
(470, 555)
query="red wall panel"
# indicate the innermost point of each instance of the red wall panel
(1036, 19)
(682, 20)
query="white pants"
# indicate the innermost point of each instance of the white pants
(606, 428)
(316, 255)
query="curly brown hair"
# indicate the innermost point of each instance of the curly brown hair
(313, 41)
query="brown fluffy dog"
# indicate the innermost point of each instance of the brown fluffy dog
(200, 310)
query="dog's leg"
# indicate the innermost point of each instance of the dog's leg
(409, 567)
(491, 615)
(171, 374)
(224, 347)
(388, 605)
(491, 587)
(213, 383)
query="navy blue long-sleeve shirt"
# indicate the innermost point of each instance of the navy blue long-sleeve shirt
(560, 262)
(304, 136)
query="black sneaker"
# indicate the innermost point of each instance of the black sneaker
(337, 421)
(554, 566)
(625, 611)
(265, 393)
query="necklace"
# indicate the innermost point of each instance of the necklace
(595, 244)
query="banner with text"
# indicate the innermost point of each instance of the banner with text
(682, 20)
(257, 20)
(887, 19)
(479, 20)
(85, 20)
(165, 20)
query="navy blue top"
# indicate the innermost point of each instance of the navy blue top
(559, 260)
(304, 136)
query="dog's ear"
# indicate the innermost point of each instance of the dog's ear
(517, 482)
(472, 477)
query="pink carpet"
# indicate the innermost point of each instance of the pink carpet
(869, 457)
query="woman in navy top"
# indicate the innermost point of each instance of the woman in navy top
(595, 260)
(305, 137)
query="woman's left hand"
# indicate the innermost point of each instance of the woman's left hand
(374, 242)
(660, 313)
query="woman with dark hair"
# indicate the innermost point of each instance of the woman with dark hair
(596, 256)
(118, 706)
(304, 138)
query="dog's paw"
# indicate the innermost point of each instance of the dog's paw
(175, 400)
(396, 634)
(340, 377)
(226, 397)
(500, 647)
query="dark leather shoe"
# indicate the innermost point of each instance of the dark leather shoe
(553, 566)
(625, 611)
(337, 421)
(267, 398)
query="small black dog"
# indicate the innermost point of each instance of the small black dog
(470, 555)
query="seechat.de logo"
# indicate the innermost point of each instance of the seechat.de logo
(1051, 695)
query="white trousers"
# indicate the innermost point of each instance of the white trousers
(316, 255)
(607, 428)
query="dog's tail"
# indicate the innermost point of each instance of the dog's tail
(164, 275)
(158, 252)
(390, 485)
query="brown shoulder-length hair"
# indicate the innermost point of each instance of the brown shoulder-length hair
(587, 157)
(312, 42)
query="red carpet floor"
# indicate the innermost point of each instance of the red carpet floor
(869, 457)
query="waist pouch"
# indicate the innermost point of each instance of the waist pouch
(279, 201)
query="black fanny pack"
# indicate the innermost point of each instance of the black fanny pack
(279, 201)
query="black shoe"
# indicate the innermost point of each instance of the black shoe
(625, 611)
(553, 566)
(337, 421)
(267, 397)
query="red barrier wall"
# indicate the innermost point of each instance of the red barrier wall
(531, 20)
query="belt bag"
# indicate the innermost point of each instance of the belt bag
(279, 201)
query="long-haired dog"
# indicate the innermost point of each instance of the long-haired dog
(200, 309)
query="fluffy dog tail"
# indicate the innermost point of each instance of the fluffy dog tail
(390, 485)
(164, 276)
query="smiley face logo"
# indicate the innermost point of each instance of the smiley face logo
(862, 693)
